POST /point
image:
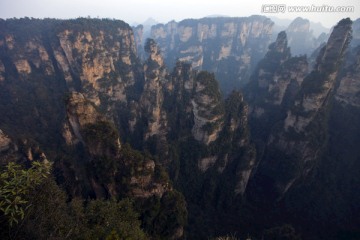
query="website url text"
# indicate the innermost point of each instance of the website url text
(282, 8)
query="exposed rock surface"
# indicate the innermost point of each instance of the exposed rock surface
(301, 39)
(298, 144)
(321, 80)
(4, 142)
(80, 112)
(98, 62)
(273, 86)
(88, 128)
(230, 47)
(152, 98)
(139, 40)
(348, 91)
(207, 109)
(77, 84)
(20, 151)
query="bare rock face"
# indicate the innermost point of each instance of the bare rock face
(94, 57)
(217, 128)
(80, 112)
(144, 185)
(42, 61)
(23, 66)
(98, 57)
(356, 33)
(320, 82)
(348, 91)
(27, 56)
(207, 109)
(21, 151)
(86, 127)
(301, 40)
(202, 102)
(313, 149)
(4, 141)
(237, 131)
(299, 143)
(267, 80)
(216, 45)
(317, 87)
(152, 98)
(74, 86)
(139, 40)
(274, 85)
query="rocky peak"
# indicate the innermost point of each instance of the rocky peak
(298, 145)
(154, 52)
(281, 44)
(208, 108)
(332, 54)
(320, 82)
(152, 97)
(299, 25)
(270, 73)
(301, 39)
(273, 87)
(139, 40)
(201, 101)
(215, 124)
(236, 133)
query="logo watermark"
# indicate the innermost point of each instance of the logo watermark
(282, 8)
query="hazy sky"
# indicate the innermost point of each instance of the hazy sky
(165, 10)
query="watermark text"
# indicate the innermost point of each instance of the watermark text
(282, 8)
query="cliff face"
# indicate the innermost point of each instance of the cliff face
(78, 87)
(212, 136)
(97, 64)
(347, 92)
(79, 113)
(306, 140)
(21, 151)
(230, 47)
(139, 37)
(103, 159)
(301, 39)
(316, 92)
(273, 86)
(296, 144)
(84, 56)
(207, 109)
(4, 141)
(152, 98)
(96, 60)
(94, 57)
(348, 88)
